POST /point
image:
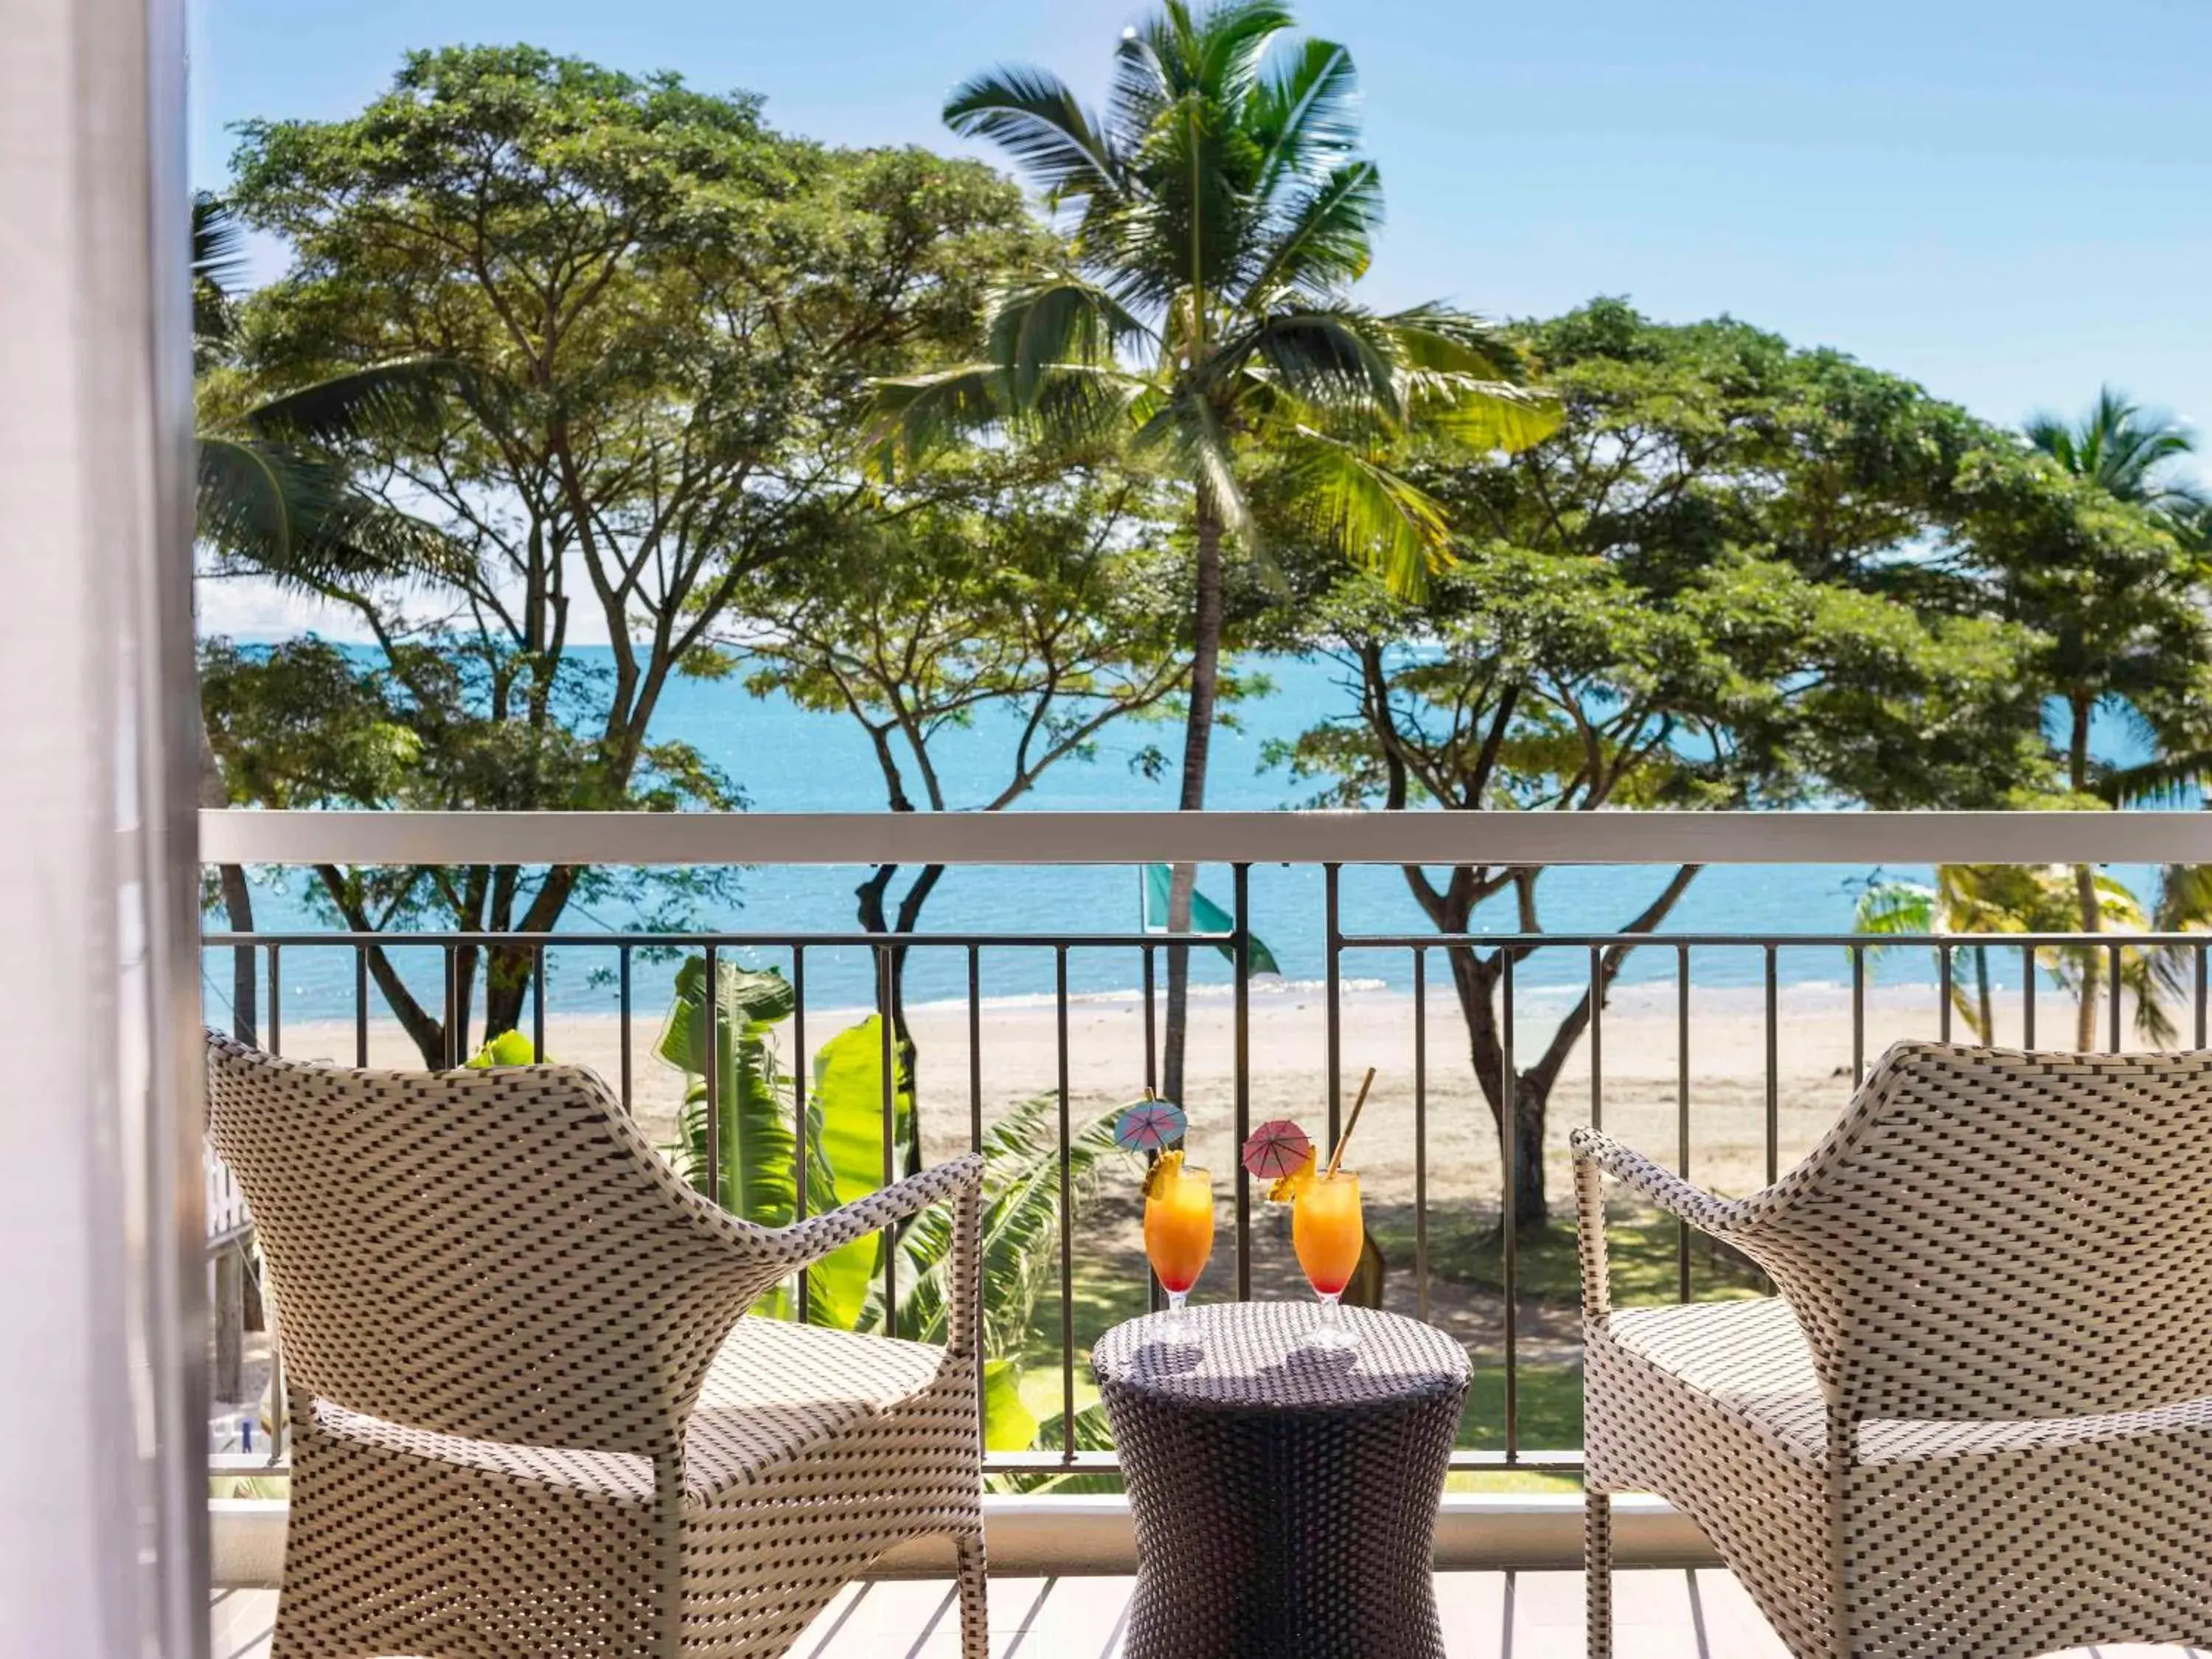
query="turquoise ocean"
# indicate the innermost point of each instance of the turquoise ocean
(786, 759)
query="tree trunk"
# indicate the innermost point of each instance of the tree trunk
(2085, 889)
(874, 919)
(1473, 981)
(1198, 737)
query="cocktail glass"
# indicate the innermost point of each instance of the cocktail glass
(1329, 1232)
(1179, 1237)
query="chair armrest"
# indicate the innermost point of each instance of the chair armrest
(960, 1179)
(1597, 1155)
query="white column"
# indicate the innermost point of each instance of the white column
(102, 1500)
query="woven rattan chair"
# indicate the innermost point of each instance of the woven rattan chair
(1977, 1421)
(530, 1415)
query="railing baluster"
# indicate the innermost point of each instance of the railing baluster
(537, 1002)
(276, 1003)
(1858, 1015)
(1241, 1061)
(1597, 1035)
(1421, 1132)
(1066, 1218)
(360, 1005)
(974, 1093)
(886, 1001)
(1682, 1109)
(1773, 1069)
(2027, 996)
(2199, 1038)
(711, 1015)
(800, 1062)
(1508, 1209)
(453, 1033)
(1332, 995)
(2114, 1041)
(622, 998)
(1943, 991)
(1151, 1029)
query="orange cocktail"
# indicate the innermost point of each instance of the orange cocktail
(1178, 1229)
(1329, 1232)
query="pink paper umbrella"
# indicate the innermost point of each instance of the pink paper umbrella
(1149, 1125)
(1275, 1149)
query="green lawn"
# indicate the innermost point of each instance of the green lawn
(1641, 1248)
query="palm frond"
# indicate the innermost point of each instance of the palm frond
(1020, 1227)
(1327, 239)
(1066, 321)
(1186, 425)
(1377, 517)
(1336, 358)
(1306, 116)
(218, 268)
(1032, 115)
(2173, 779)
(403, 396)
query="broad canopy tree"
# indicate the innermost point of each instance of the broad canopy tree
(1678, 600)
(665, 319)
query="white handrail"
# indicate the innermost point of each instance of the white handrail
(1013, 838)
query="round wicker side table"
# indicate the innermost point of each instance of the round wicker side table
(1284, 1496)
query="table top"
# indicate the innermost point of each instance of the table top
(1255, 1356)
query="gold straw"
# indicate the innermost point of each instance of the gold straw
(1350, 1124)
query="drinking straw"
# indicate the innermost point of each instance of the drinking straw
(1350, 1124)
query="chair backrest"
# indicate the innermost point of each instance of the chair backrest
(495, 1255)
(1991, 1234)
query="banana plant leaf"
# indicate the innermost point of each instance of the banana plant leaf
(1020, 1227)
(1008, 1423)
(845, 1120)
(756, 1152)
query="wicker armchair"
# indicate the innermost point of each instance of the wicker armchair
(530, 1415)
(1977, 1421)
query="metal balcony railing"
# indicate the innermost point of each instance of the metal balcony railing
(1535, 972)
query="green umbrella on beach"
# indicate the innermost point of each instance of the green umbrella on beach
(1206, 917)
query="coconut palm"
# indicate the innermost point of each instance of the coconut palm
(2114, 644)
(1217, 218)
(2126, 450)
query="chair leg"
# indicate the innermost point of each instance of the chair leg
(975, 1599)
(1597, 1570)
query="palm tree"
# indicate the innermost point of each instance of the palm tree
(1985, 899)
(275, 500)
(2130, 454)
(2127, 451)
(1218, 217)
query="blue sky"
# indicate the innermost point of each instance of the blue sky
(2010, 202)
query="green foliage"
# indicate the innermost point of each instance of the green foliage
(507, 1048)
(1039, 600)
(845, 1128)
(1218, 217)
(656, 319)
(1707, 589)
(757, 1178)
(849, 1121)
